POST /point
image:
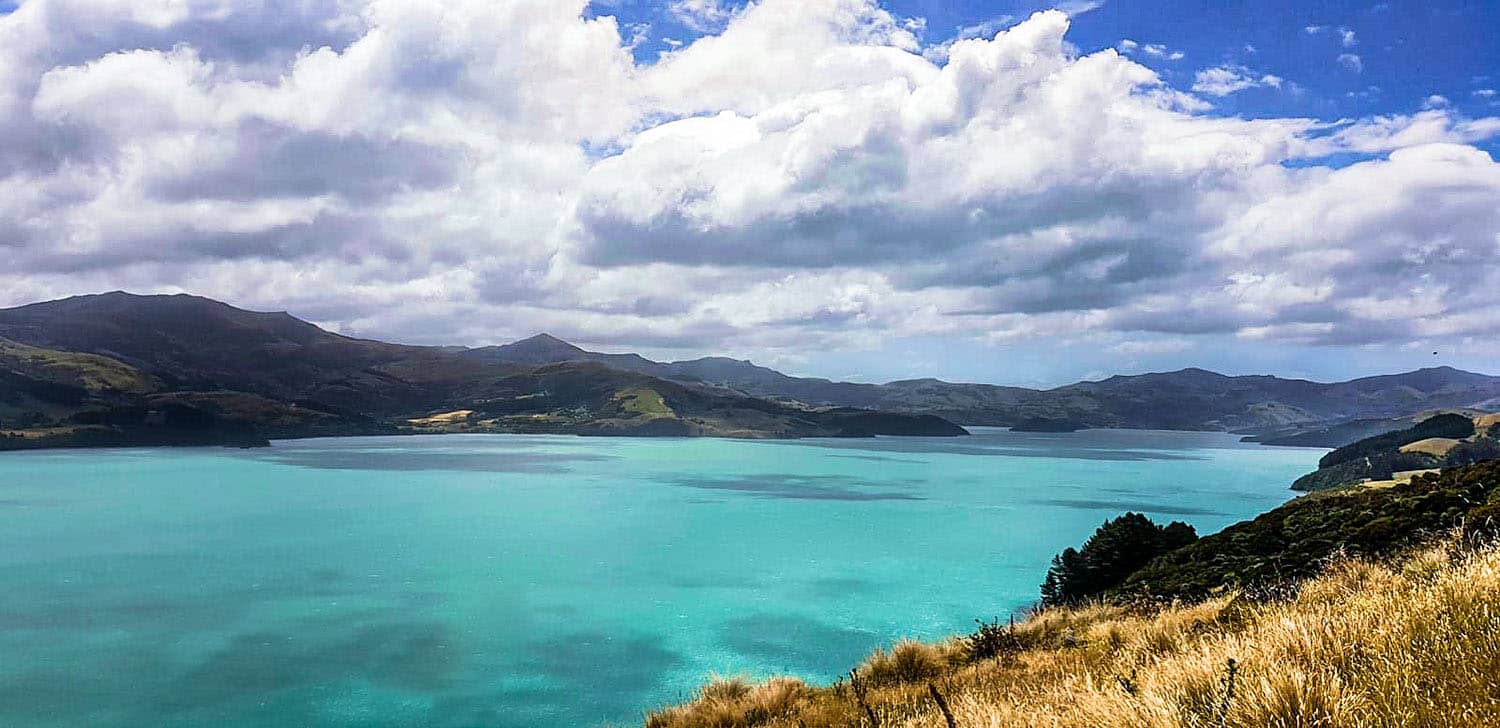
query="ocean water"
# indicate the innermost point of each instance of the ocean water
(540, 581)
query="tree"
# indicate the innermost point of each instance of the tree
(1116, 550)
(1469, 452)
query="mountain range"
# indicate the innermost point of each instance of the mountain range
(119, 368)
(1267, 407)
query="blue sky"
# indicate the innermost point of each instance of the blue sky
(1409, 51)
(830, 187)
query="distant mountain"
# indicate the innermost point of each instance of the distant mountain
(1189, 399)
(122, 369)
(193, 343)
(152, 347)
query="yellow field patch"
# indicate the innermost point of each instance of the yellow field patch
(441, 420)
(643, 401)
(1434, 446)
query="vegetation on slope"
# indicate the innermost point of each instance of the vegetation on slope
(1422, 446)
(1444, 426)
(1333, 610)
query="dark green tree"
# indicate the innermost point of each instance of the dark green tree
(1469, 452)
(1116, 550)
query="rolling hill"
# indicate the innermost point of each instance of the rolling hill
(1189, 399)
(159, 346)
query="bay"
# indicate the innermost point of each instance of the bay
(540, 581)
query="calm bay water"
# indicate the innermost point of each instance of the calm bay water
(539, 581)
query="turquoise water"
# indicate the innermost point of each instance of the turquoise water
(539, 581)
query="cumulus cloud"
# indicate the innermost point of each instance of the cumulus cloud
(806, 175)
(1227, 79)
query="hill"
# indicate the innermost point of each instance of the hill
(122, 369)
(1448, 439)
(191, 344)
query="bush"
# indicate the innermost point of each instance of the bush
(1115, 551)
(905, 662)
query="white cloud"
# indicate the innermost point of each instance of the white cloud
(1154, 50)
(1352, 62)
(703, 16)
(1228, 79)
(1347, 38)
(1075, 8)
(802, 178)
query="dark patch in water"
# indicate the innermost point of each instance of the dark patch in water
(797, 644)
(603, 675)
(1112, 446)
(878, 459)
(797, 487)
(416, 656)
(417, 461)
(1123, 506)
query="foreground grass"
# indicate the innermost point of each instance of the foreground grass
(1411, 643)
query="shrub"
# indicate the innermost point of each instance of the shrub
(906, 662)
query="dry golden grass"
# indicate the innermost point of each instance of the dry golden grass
(442, 419)
(1434, 446)
(1363, 646)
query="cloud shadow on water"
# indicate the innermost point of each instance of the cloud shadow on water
(1121, 506)
(600, 676)
(412, 656)
(800, 645)
(418, 461)
(798, 487)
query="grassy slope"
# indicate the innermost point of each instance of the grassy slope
(96, 374)
(1382, 641)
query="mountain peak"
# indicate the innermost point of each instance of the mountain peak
(543, 338)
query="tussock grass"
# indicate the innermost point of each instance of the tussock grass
(1414, 642)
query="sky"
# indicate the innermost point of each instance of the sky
(1010, 192)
